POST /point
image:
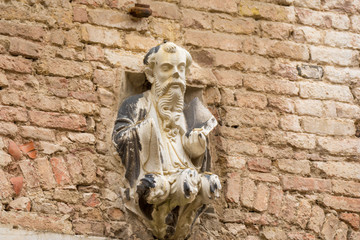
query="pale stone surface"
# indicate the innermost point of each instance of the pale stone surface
(345, 170)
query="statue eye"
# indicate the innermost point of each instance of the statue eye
(181, 67)
(166, 67)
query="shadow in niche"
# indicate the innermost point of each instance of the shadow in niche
(136, 83)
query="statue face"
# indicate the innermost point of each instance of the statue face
(169, 70)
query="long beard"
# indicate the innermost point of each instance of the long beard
(170, 106)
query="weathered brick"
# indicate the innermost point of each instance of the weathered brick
(229, 6)
(240, 61)
(67, 194)
(57, 120)
(303, 213)
(137, 42)
(87, 138)
(229, 78)
(317, 218)
(262, 83)
(352, 219)
(33, 31)
(124, 60)
(111, 18)
(325, 91)
(233, 187)
(212, 96)
(60, 171)
(264, 177)
(328, 126)
(43, 168)
(342, 39)
(342, 57)
(301, 140)
(203, 76)
(347, 188)
(80, 14)
(108, 37)
(288, 208)
(5, 187)
(233, 147)
(275, 200)
(196, 19)
(23, 47)
(347, 170)
(213, 40)
(249, 116)
(283, 104)
(313, 4)
(224, 23)
(355, 23)
(255, 134)
(286, 69)
(307, 34)
(164, 9)
(66, 68)
(13, 114)
(259, 164)
(267, 11)
(276, 30)
(323, 19)
(290, 123)
(342, 75)
(165, 29)
(305, 184)
(334, 228)
(249, 99)
(94, 53)
(348, 7)
(262, 197)
(5, 159)
(50, 148)
(79, 107)
(36, 221)
(248, 192)
(16, 64)
(309, 107)
(235, 162)
(37, 133)
(89, 227)
(17, 183)
(30, 174)
(301, 167)
(342, 203)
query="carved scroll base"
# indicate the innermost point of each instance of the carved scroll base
(169, 204)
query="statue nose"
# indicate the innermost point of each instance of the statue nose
(176, 74)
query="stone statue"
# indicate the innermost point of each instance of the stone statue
(163, 146)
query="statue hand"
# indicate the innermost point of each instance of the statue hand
(195, 143)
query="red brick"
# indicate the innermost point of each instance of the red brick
(23, 47)
(17, 183)
(60, 171)
(262, 83)
(262, 197)
(5, 187)
(14, 150)
(57, 120)
(23, 30)
(342, 203)
(13, 114)
(213, 40)
(259, 164)
(16, 64)
(93, 200)
(36, 221)
(267, 11)
(229, 6)
(43, 167)
(233, 187)
(116, 19)
(305, 184)
(66, 68)
(80, 14)
(275, 200)
(30, 174)
(236, 116)
(352, 219)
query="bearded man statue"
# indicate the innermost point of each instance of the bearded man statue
(163, 146)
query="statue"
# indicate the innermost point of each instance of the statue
(163, 146)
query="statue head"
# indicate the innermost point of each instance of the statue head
(166, 67)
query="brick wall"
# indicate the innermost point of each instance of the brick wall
(281, 76)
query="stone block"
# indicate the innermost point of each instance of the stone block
(310, 71)
(305, 184)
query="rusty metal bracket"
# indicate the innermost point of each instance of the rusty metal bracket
(140, 11)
